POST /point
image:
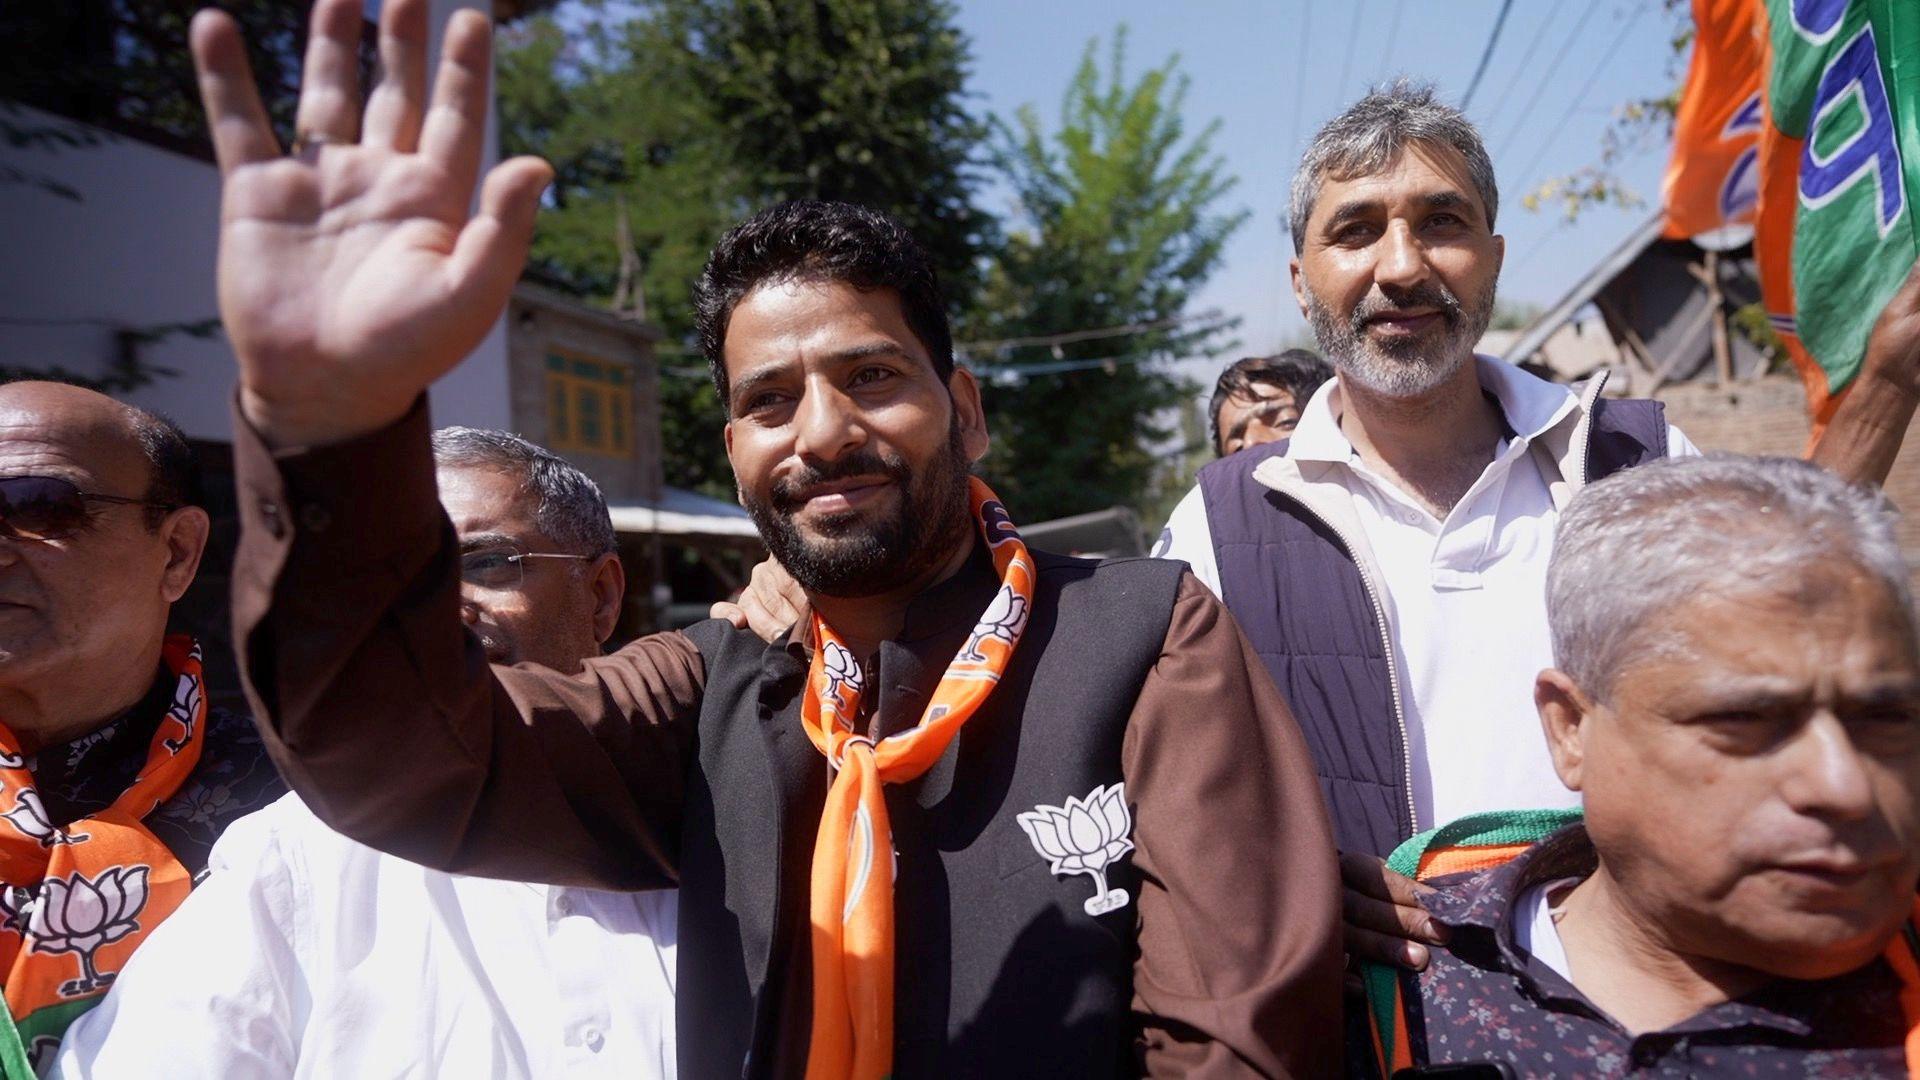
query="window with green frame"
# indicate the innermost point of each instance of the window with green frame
(589, 405)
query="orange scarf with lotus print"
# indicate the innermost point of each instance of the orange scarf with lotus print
(852, 901)
(77, 900)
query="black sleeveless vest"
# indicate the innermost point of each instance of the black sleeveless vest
(999, 970)
(1299, 596)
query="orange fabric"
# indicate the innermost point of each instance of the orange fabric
(852, 890)
(80, 899)
(1710, 178)
(1900, 956)
(1457, 859)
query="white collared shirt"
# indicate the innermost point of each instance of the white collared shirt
(1466, 598)
(305, 954)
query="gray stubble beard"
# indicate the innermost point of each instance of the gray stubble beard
(1394, 373)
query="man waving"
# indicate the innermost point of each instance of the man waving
(986, 810)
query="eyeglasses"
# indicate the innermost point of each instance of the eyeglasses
(50, 508)
(502, 568)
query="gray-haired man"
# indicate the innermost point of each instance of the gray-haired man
(307, 954)
(1389, 560)
(1737, 703)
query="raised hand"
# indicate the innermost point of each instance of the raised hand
(1869, 425)
(353, 274)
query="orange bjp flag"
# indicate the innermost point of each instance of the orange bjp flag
(1712, 182)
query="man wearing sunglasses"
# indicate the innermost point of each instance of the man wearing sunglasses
(319, 956)
(116, 772)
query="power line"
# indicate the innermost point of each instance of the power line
(1539, 246)
(1300, 77)
(1353, 38)
(1393, 35)
(1072, 336)
(1566, 46)
(1486, 54)
(1599, 69)
(1057, 367)
(983, 348)
(1527, 54)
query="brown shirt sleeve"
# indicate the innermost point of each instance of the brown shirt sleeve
(1239, 966)
(379, 708)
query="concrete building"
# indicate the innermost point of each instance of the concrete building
(107, 277)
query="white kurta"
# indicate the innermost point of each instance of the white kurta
(305, 954)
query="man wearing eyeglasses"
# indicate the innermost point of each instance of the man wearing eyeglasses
(314, 955)
(117, 774)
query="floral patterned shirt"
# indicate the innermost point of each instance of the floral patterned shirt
(1485, 1000)
(233, 777)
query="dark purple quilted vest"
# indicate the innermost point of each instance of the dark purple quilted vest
(1299, 596)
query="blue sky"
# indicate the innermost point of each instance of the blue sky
(1245, 60)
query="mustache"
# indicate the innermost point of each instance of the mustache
(1433, 295)
(786, 494)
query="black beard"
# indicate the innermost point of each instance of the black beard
(855, 557)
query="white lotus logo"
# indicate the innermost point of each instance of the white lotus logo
(80, 915)
(1003, 620)
(29, 818)
(1085, 837)
(841, 668)
(186, 706)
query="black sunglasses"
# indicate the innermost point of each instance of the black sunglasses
(49, 508)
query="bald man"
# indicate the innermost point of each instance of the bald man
(116, 773)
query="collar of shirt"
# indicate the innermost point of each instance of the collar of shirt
(906, 669)
(1486, 906)
(84, 775)
(1531, 406)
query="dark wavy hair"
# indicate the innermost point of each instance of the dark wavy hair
(809, 240)
(1297, 371)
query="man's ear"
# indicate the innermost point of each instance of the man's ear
(968, 412)
(185, 532)
(1299, 284)
(1566, 716)
(608, 584)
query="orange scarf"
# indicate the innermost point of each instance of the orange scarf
(78, 900)
(853, 854)
(1904, 955)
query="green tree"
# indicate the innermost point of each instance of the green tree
(854, 100)
(669, 120)
(644, 184)
(1117, 225)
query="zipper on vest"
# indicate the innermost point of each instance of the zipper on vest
(1393, 669)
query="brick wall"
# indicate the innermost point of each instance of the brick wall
(1769, 416)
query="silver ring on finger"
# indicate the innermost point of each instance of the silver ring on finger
(306, 146)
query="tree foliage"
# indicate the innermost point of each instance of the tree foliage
(123, 64)
(1635, 124)
(639, 174)
(1117, 224)
(860, 101)
(683, 116)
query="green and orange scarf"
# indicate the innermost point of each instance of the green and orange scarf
(78, 899)
(852, 901)
(1482, 841)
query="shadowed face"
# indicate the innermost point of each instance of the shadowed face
(553, 614)
(1751, 785)
(1397, 271)
(850, 452)
(1264, 413)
